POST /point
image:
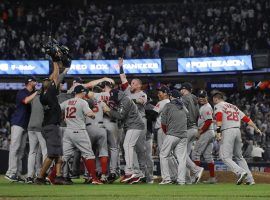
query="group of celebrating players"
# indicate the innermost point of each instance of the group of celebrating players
(93, 122)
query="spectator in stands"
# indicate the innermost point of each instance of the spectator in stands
(135, 30)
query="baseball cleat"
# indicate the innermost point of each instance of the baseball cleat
(169, 182)
(250, 183)
(199, 175)
(135, 180)
(40, 181)
(59, 180)
(20, 180)
(68, 181)
(103, 178)
(242, 176)
(211, 180)
(12, 178)
(51, 180)
(126, 178)
(111, 178)
(87, 181)
(29, 180)
(96, 182)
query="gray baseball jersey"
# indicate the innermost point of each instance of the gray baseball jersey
(158, 108)
(231, 115)
(36, 118)
(191, 104)
(206, 113)
(174, 117)
(75, 112)
(138, 96)
(98, 110)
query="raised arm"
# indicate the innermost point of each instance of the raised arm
(93, 83)
(122, 73)
(63, 75)
(55, 74)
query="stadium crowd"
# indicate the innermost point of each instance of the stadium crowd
(254, 103)
(135, 30)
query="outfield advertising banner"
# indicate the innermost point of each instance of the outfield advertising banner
(133, 66)
(22, 67)
(215, 64)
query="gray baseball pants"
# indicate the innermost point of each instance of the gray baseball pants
(231, 145)
(113, 137)
(179, 148)
(191, 137)
(204, 146)
(36, 140)
(16, 150)
(134, 138)
(76, 139)
(173, 165)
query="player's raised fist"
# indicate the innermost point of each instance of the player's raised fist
(120, 61)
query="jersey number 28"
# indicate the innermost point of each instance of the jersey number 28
(232, 116)
(70, 112)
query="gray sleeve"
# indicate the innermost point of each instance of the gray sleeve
(122, 111)
(85, 107)
(164, 115)
(185, 101)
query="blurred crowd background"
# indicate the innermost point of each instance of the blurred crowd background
(107, 30)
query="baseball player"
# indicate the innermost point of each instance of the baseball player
(228, 120)
(135, 92)
(163, 95)
(132, 120)
(19, 123)
(174, 126)
(36, 139)
(76, 136)
(98, 135)
(205, 136)
(191, 103)
(113, 131)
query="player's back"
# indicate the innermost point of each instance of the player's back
(98, 110)
(231, 115)
(75, 112)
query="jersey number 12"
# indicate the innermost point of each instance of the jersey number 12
(70, 112)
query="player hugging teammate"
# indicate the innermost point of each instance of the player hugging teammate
(92, 122)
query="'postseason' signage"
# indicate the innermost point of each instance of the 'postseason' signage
(133, 66)
(22, 67)
(215, 64)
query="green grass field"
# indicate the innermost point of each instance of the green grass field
(130, 192)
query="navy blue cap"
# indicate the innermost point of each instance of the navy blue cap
(175, 94)
(164, 89)
(29, 79)
(79, 89)
(186, 86)
(202, 94)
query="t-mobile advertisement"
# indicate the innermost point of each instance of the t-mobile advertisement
(133, 66)
(22, 67)
(215, 64)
